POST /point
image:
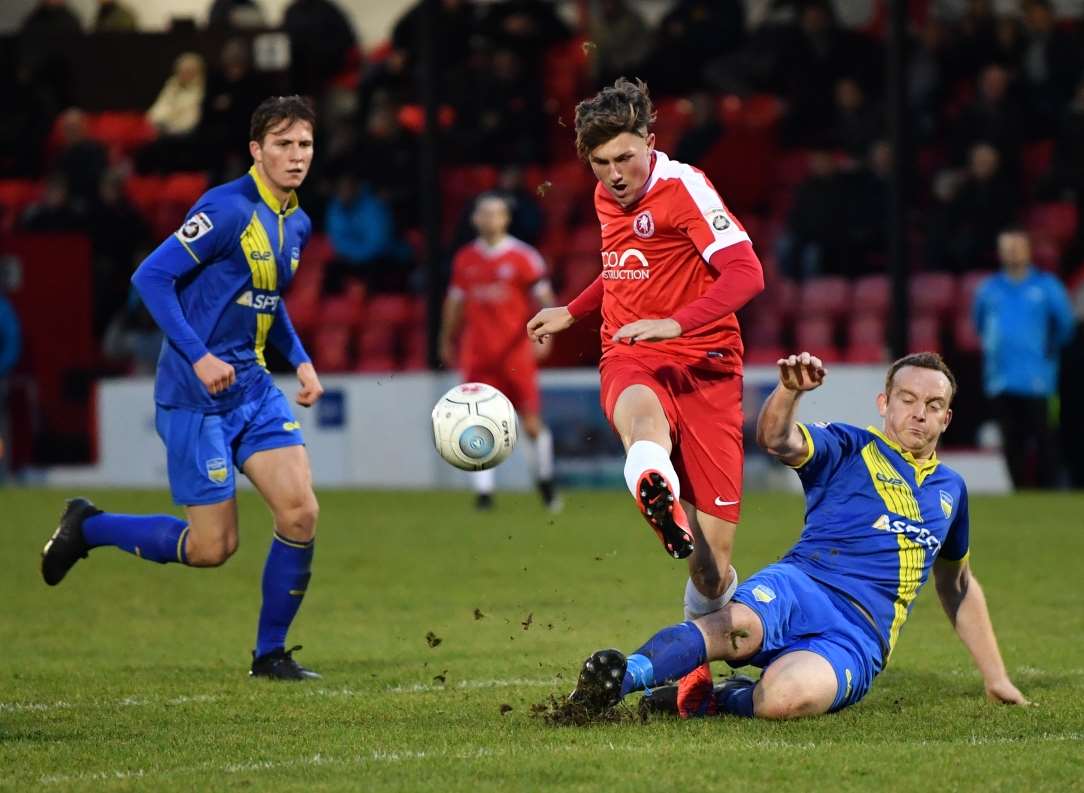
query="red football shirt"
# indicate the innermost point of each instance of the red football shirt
(654, 262)
(496, 287)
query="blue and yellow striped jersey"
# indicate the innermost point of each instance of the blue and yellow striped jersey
(875, 520)
(215, 286)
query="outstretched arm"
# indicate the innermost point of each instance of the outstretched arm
(965, 605)
(777, 432)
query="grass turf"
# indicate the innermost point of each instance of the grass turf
(133, 676)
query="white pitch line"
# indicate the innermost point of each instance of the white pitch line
(399, 756)
(414, 688)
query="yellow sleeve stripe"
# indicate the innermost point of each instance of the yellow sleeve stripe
(959, 561)
(190, 251)
(808, 443)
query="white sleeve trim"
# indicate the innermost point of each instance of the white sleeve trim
(718, 245)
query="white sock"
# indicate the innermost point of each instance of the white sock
(484, 481)
(649, 456)
(540, 455)
(696, 605)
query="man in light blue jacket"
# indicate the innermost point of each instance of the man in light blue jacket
(1024, 318)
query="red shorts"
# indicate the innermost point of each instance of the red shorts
(516, 376)
(705, 416)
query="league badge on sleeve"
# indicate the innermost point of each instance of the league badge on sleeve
(719, 220)
(195, 227)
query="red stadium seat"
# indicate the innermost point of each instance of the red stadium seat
(932, 293)
(331, 348)
(764, 355)
(969, 285)
(828, 296)
(376, 349)
(764, 330)
(866, 339)
(347, 309)
(924, 332)
(872, 294)
(121, 131)
(965, 337)
(1055, 221)
(144, 192)
(390, 311)
(815, 335)
(578, 272)
(1035, 159)
(15, 196)
(415, 349)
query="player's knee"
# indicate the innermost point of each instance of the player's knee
(298, 520)
(785, 699)
(211, 552)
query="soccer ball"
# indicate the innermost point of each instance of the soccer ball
(474, 427)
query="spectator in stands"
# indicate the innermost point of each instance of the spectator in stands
(24, 129)
(693, 33)
(321, 40)
(132, 340)
(1024, 319)
(620, 38)
(1050, 66)
(1065, 181)
(10, 350)
(56, 211)
(502, 115)
(117, 233)
(114, 17)
(390, 155)
(967, 225)
(703, 132)
(50, 19)
(237, 14)
(995, 116)
(527, 27)
(455, 26)
(866, 185)
(362, 233)
(856, 125)
(813, 241)
(930, 74)
(176, 111)
(233, 92)
(976, 35)
(80, 158)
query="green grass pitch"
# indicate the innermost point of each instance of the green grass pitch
(133, 676)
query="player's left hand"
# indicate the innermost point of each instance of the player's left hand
(311, 390)
(1005, 692)
(648, 330)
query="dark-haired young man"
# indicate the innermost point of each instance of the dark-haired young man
(676, 265)
(214, 287)
(881, 513)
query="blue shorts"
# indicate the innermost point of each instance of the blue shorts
(798, 613)
(203, 448)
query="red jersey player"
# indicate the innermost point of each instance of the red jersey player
(676, 265)
(497, 280)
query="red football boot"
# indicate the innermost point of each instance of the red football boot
(664, 514)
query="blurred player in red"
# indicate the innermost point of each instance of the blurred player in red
(497, 281)
(676, 265)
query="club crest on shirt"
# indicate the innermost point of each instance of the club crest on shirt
(946, 503)
(644, 224)
(195, 227)
(718, 220)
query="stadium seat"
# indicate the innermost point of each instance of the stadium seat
(1055, 221)
(15, 196)
(331, 348)
(303, 306)
(969, 285)
(865, 339)
(762, 330)
(390, 311)
(965, 337)
(121, 132)
(872, 294)
(416, 349)
(577, 272)
(815, 335)
(144, 192)
(376, 349)
(924, 334)
(932, 293)
(347, 309)
(766, 355)
(1035, 160)
(827, 296)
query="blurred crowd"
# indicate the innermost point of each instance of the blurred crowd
(778, 100)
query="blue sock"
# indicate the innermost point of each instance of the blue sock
(157, 538)
(285, 579)
(671, 653)
(736, 698)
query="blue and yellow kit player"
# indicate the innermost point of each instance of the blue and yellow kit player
(215, 288)
(882, 513)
